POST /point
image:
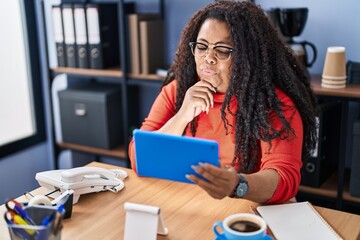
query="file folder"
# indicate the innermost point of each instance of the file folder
(151, 40)
(103, 35)
(81, 36)
(134, 38)
(58, 34)
(69, 34)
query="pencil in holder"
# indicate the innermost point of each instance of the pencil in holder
(47, 224)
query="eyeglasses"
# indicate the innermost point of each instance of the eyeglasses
(222, 53)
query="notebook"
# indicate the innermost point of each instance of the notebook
(170, 157)
(296, 221)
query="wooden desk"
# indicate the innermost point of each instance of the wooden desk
(188, 212)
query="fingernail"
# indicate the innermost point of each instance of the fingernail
(213, 89)
(193, 167)
(202, 164)
(188, 176)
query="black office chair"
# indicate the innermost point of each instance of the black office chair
(353, 71)
(353, 74)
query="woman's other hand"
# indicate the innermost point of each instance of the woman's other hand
(198, 98)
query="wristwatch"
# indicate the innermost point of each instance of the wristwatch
(242, 188)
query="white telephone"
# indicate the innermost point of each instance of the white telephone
(82, 180)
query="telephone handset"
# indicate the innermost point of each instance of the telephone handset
(82, 180)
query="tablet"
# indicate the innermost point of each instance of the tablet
(170, 157)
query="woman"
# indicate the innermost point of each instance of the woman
(234, 81)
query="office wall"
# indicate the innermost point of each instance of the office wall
(17, 172)
(329, 23)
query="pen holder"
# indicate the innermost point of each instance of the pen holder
(39, 230)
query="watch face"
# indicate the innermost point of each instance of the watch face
(242, 188)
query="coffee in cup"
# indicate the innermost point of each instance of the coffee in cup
(244, 226)
(241, 226)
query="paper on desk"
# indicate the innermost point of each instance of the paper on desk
(297, 221)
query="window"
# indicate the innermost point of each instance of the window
(21, 106)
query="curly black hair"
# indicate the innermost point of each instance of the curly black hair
(261, 62)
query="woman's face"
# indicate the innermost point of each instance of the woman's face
(209, 67)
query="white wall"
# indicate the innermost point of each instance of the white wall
(17, 171)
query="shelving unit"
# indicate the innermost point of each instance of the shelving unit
(327, 189)
(127, 82)
(118, 152)
(112, 72)
(336, 187)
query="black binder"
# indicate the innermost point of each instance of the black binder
(81, 36)
(103, 34)
(318, 167)
(58, 34)
(69, 35)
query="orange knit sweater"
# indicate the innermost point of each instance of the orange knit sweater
(284, 155)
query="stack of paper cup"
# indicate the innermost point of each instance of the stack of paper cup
(334, 73)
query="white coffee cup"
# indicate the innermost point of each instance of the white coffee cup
(240, 226)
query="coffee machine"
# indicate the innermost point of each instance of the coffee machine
(291, 23)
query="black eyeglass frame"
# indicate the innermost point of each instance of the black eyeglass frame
(192, 44)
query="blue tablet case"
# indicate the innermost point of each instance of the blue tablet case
(170, 157)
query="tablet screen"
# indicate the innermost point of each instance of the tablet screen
(170, 157)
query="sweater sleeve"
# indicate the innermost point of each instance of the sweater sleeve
(285, 155)
(161, 111)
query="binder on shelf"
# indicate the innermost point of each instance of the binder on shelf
(103, 35)
(134, 38)
(58, 33)
(81, 36)
(151, 45)
(69, 34)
